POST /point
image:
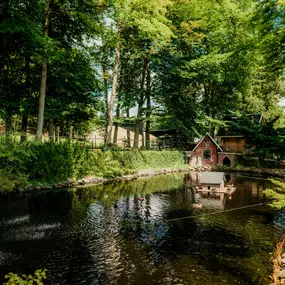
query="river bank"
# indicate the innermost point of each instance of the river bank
(123, 162)
(93, 180)
(265, 172)
(48, 165)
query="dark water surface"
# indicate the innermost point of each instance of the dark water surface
(120, 234)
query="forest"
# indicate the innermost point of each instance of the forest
(68, 66)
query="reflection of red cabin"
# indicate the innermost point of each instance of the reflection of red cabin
(205, 152)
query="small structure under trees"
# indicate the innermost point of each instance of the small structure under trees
(231, 138)
(205, 153)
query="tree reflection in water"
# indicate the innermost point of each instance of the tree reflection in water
(119, 234)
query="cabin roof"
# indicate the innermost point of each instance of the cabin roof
(208, 135)
(228, 132)
(163, 132)
(131, 128)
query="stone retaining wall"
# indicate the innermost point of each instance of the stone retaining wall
(265, 172)
(92, 181)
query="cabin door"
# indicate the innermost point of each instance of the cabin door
(226, 162)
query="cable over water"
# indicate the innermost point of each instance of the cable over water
(219, 212)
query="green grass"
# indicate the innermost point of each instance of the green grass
(50, 162)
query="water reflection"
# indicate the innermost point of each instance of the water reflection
(119, 234)
(212, 189)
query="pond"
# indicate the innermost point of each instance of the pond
(143, 232)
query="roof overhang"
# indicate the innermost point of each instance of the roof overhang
(218, 147)
(234, 153)
(230, 136)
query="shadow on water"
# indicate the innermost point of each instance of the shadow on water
(121, 233)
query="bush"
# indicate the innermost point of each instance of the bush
(150, 159)
(10, 181)
(54, 162)
(36, 279)
(277, 194)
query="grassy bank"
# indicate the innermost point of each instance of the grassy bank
(50, 163)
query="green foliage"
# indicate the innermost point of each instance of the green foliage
(118, 163)
(277, 194)
(206, 58)
(10, 181)
(72, 81)
(209, 73)
(36, 279)
(262, 139)
(149, 159)
(54, 162)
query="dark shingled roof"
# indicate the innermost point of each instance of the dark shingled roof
(228, 132)
(159, 133)
(132, 128)
(209, 136)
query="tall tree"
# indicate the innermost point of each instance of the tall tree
(141, 20)
(48, 10)
(211, 64)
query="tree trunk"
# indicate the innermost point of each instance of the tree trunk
(42, 100)
(115, 139)
(140, 107)
(113, 95)
(43, 76)
(51, 129)
(9, 125)
(105, 80)
(148, 108)
(8, 116)
(73, 134)
(7, 91)
(142, 134)
(24, 128)
(70, 132)
(4, 67)
(27, 93)
(57, 133)
(128, 131)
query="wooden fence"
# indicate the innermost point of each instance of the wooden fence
(97, 142)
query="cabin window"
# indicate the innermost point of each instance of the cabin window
(206, 154)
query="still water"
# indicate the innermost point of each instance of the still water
(121, 233)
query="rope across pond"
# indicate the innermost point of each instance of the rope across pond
(219, 212)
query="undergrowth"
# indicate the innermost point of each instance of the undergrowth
(36, 279)
(51, 162)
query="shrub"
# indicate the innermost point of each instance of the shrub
(36, 279)
(10, 181)
(277, 194)
(54, 162)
